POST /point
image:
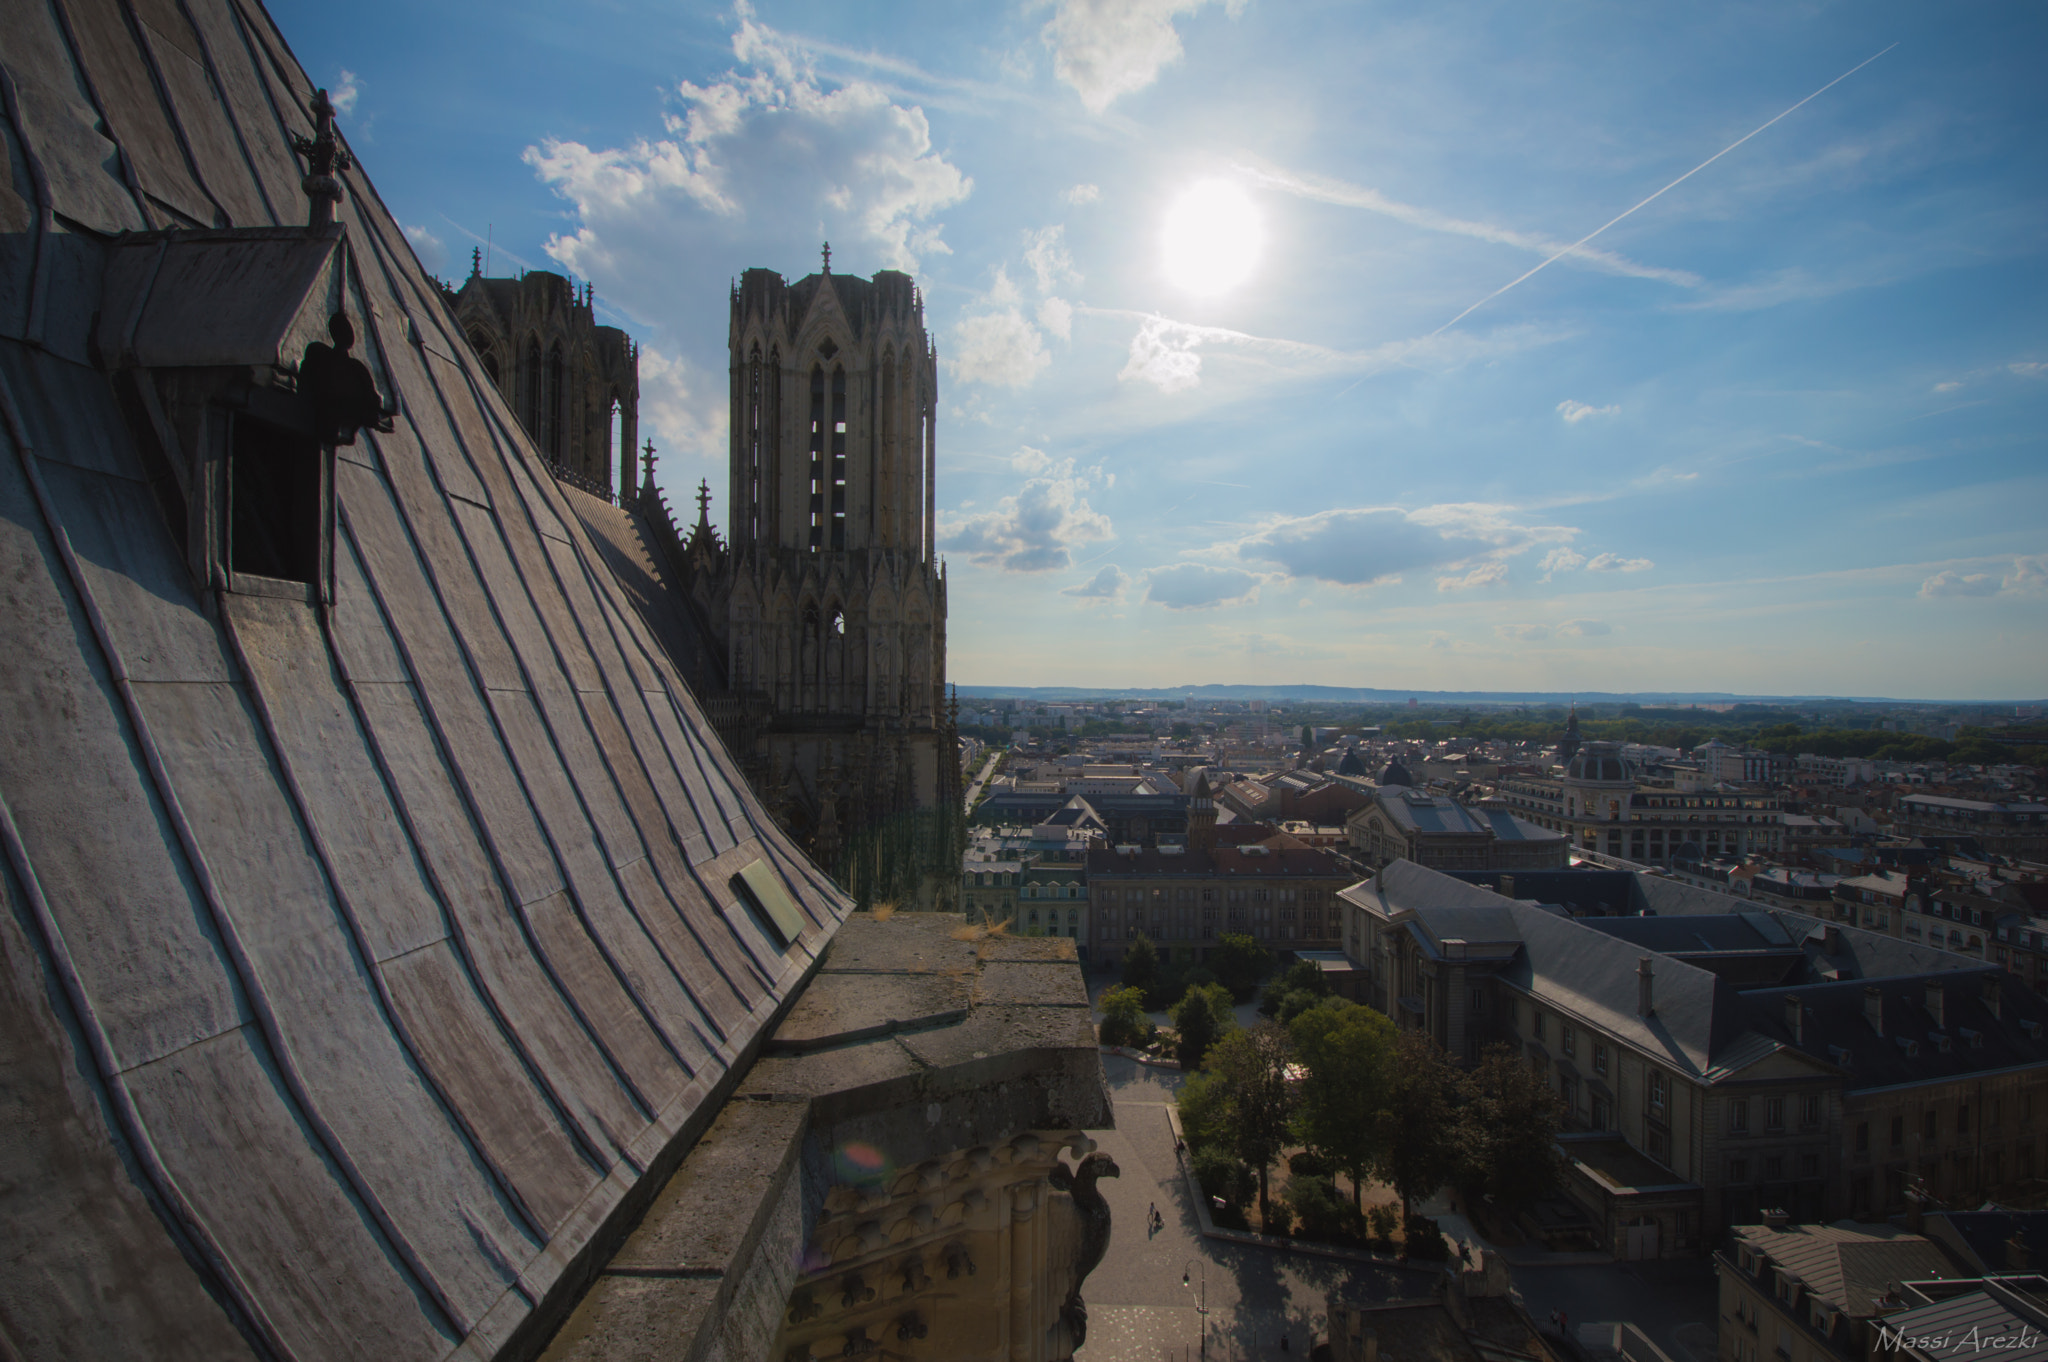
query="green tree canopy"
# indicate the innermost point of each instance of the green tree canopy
(1201, 1016)
(1347, 1052)
(1251, 1069)
(1240, 964)
(1418, 1151)
(1141, 965)
(1123, 1017)
(1507, 1132)
(1304, 977)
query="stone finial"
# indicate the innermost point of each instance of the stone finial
(647, 463)
(476, 262)
(828, 257)
(324, 161)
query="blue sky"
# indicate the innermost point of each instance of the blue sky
(1779, 430)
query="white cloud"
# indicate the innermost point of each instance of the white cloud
(2028, 574)
(1056, 315)
(1107, 584)
(1197, 586)
(1376, 545)
(1524, 633)
(1575, 412)
(1323, 190)
(1585, 628)
(1001, 292)
(1953, 583)
(345, 93)
(755, 164)
(1107, 48)
(1560, 559)
(1168, 353)
(1046, 253)
(429, 248)
(999, 348)
(682, 411)
(1038, 529)
(1082, 193)
(1614, 562)
(1486, 574)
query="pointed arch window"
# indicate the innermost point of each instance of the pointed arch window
(557, 395)
(817, 471)
(529, 387)
(838, 457)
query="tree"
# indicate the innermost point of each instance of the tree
(1251, 1069)
(1201, 1016)
(1507, 1132)
(1204, 1114)
(1304, 977)
(1347, 1052)
(1123, 1017)
(1141, 965)
(1417, 1151)
(1240, 964)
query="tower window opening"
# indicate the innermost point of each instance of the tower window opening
(556, 397)
(817, 471)
(838, 458)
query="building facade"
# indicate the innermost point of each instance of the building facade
(1602, 804)
(825, 600)
(572, 384)
(1404, 824)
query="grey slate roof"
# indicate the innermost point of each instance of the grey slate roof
(361, 960)
(1978, 1322)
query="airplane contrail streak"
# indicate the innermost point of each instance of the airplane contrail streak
(1659, 194)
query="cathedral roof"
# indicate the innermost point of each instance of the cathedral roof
(409, 937)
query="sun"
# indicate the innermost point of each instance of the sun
(1213, 237)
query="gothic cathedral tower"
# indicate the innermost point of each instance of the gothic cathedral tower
(826, 598)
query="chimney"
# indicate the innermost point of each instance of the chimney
(1795, 1017)
(1916, 1211)
(1776, 1218)
(1643, 999)
(1831, 940)
(1993, 995)
(1873, 1008)
(1936, 997)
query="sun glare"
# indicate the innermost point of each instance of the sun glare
(1213, 237)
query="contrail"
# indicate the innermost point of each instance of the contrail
(1654, 197)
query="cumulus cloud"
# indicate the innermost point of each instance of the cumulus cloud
(1056, 315)
(1486, 574)
(1038, 529)
(2028, 574)
(345, 93)
(753, 164)
(1584, 628)
(1560, 559)
(1108, 48)
(1107, 584)
(998, 348)
(429, 248)
(1371, 545)
(1047, 255)
(1575, 412)
(1198, 586)
(1082, 193)
(1525, 633)
(1614, 562)
(1953, 583)
(682, 410)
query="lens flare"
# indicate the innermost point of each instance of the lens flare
(1213, 237)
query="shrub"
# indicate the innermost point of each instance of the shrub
(1424, 1240)
(1279, 1220)
(1309, 1164)
(1204, 1111)
(1222, 1175)
(1383, 1218)
(1325, 1214)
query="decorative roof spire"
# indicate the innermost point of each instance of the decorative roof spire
(324, 160)
(704, 503)
(647, 463)
(476, 262)
(828, 257)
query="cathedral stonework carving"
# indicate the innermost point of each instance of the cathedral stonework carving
(825, 599)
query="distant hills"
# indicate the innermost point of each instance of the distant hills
(1366, 695)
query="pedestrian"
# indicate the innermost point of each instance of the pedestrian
(1283, 1342)
(1564, 1323)
(1553, 1319)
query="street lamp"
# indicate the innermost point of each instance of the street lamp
(1202, 1303)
